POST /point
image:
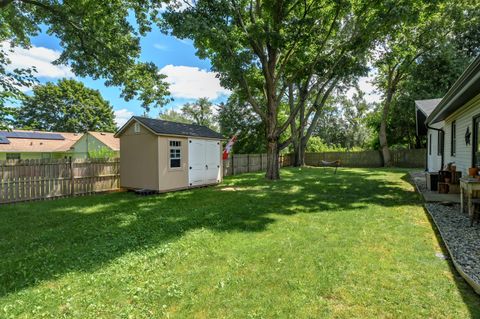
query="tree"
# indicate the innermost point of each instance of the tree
(200, 112)
(98, 40)
(342, 122)
(259, 48)
(424, 29)
(174, 116)
(67, 106)
(237, 117)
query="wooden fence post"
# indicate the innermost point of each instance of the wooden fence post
(72, 178)
(248, 163)
(233, 165)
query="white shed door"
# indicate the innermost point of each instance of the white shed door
(203, 162)
(212, 155)
(196, 162)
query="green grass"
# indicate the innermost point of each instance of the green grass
(313, 245)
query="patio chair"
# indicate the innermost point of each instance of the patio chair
(335, 164)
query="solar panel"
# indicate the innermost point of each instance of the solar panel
(33, 135)
(4, 140)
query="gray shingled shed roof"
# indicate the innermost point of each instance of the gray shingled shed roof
(173, 128)
(427, 106)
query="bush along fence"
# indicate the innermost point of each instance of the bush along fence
(246, 163)
(400, 158)
(24, 180)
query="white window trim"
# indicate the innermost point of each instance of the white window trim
(136, 128)
(169, 154)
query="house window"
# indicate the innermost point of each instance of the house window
(440, 143)
(453, 142)
(175, 154)
(136, 128)
(430, 145)
(13, 156)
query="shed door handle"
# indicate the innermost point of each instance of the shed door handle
(206, 166)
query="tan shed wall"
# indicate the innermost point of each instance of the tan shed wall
(139, 159)
(172, 178)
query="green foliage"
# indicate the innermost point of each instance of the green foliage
(316, 144)
(236, 116)
(200, 112)
(357, 244)
(103, 152)
(67, 106)
(430, 77)
(173, 116)
(98, 39)
(343, 122)
(431, 26)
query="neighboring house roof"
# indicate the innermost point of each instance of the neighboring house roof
(162, 127)
(35, 141)
(463, 90)
(427, 106)
(108, 139)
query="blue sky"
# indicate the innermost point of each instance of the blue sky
(190, 77)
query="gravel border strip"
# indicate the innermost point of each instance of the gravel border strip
(449, 239)
(469, 279)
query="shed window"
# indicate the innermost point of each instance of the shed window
(13, 156)
(136, 128)
(453, 142)
(175, 154)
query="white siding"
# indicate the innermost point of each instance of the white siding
(434, 160)
(464, 119)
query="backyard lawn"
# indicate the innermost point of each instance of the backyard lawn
(353, 245)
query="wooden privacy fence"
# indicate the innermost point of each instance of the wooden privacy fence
(246, 163)
(400, 158)
(23, 180)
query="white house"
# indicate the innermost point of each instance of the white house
(453, 126)
(434, 133)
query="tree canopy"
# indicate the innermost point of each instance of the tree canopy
(429, 27)
(100, 39)
(260, 48)
(66, 106)
(200, 112)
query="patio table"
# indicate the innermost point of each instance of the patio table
(468, 185)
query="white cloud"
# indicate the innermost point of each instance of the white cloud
(193, 83)
(160, 47)
(122, 116)
(39, 57)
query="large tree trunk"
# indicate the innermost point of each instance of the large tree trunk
(298, 155)
(382, 135)
(273, 165)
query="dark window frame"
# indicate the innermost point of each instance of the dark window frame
(474, 138)
(453, 139)
(430, 145)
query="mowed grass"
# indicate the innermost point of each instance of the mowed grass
(353, 245)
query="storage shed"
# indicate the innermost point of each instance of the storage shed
(164, 156)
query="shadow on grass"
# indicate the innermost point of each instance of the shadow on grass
(45, 240)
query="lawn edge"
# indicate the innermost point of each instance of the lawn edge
(459, 268)
(467, 278)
